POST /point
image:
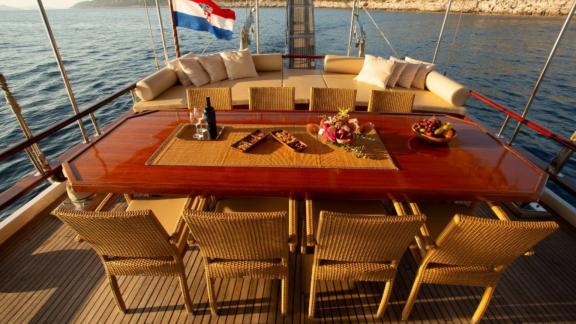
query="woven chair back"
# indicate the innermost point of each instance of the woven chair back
(220, 98)
(240, 236)
(332, 99)
(272, 98)
(474, 241)
(364, 238)
(387, 101)
(130, 234)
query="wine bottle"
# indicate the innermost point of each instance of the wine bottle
(210, 117)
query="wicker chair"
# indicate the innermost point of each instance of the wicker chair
(387, 101)
(332, 99)
(242, 245)
(315, 207)
(272, 98)
(264, 205)
(361, 247)
(475, 251)
(220, 98)
(129, 243)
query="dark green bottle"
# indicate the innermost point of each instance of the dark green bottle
(210, 117)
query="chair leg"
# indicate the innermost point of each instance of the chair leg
(185, 292)
(284, 289)
(385, 298)
(116, 291)
(211, 297)
(484, 302)
(412, 298)
(312, 302)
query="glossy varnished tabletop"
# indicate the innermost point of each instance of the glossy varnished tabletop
(473, 166)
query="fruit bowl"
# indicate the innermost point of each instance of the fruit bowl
(434, 131)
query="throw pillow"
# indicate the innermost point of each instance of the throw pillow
(194, 71)
(420, 78)
(375, 71)
(399, 67)
(214, 65)
(174, 65)
(239, 64)
(407, 76)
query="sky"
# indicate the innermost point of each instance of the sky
(32, 4)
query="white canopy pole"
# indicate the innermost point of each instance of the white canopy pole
(164, 47)
(542, 74)
(257, 31)
(442, 30)
(152, 41)
(352, 20)
(60, 62)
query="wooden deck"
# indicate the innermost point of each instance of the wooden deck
(46, 276)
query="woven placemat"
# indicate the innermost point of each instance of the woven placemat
(180, 149)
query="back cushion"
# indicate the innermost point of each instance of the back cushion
(153, 85)
(343, 64)
(267, 62)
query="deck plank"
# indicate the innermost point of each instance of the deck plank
(46, 276)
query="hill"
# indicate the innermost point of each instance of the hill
(7, 8)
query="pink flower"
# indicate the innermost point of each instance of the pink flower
(330, 134)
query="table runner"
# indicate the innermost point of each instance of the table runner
(181, 150)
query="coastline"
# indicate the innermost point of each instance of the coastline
(476, 7)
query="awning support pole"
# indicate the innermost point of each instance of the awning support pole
(441, 34)
(164, 47)
(152, 41)
(352, 21)
(257, 31)
(71, 96)
(542, 75)
(174, 31)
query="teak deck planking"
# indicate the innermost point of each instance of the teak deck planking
(46, 276)
(474, 166)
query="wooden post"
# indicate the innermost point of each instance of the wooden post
(174, 31)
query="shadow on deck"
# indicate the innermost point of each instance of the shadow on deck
(46, 276)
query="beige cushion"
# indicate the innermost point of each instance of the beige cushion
(303, 81)
(153, 85)
(343, 64)
(174, 65)
(338, 80)
(241, 88)
(239, 64)
(408, 74)
(376, 71)
(215, 67)
(166, 210)
(420, 78)
(194, 71)
(173, 98)
(447, 89)
(399, 67)
(267, 62)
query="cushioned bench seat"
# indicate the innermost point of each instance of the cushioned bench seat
(241, 87)
(303, 81)
(443, 95)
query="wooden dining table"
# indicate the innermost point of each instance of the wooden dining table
(473, 166)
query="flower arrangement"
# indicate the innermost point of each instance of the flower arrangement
(343, 131)
(339, 129)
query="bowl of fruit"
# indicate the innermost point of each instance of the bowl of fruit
(434, 130)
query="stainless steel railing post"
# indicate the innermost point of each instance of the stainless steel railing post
(65, 75)
(352, 21)
(257, 29)
(441, 34)
(542, 74)
(562, 157)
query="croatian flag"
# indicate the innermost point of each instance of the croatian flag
(204, 15)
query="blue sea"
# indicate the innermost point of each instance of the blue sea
(104, 49)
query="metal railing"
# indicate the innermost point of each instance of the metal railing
(32, 181)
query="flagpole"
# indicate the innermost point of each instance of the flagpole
(162, 33)
(174, 31)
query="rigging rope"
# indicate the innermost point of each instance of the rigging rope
(152, 41)
(380, 31)
(456, 31)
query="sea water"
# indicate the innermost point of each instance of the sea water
(105, 49)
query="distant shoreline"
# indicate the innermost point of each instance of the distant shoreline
(479, 7)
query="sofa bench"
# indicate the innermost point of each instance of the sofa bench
(442, 95)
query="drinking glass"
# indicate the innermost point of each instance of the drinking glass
(198, 117)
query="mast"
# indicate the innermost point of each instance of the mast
(174, 30)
